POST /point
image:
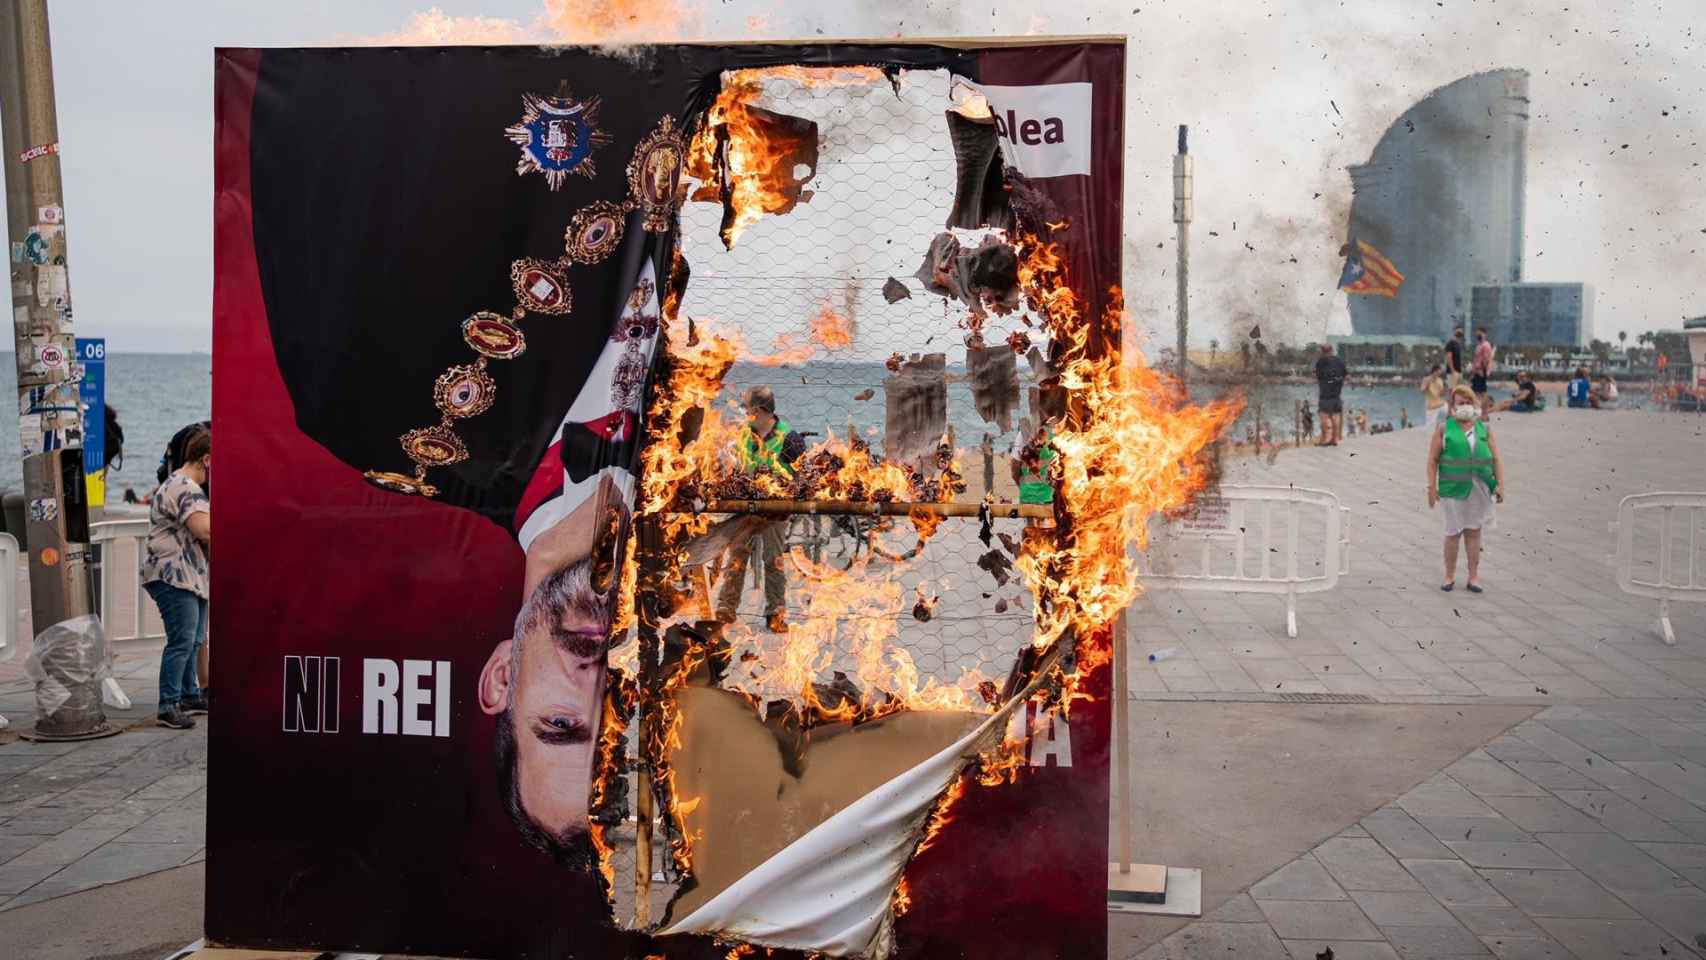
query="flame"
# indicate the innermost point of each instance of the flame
(560, 21)
(902, 900)
(759, 178)
(832, 329)
(619, 699)
(1138, 451)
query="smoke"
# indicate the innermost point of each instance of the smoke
(1280, 99)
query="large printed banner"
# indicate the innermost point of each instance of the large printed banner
(440, 275)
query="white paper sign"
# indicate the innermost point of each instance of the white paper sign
(1045, 128)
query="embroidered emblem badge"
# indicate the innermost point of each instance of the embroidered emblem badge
(557, 136)
(462, 392)
(594, 232)
(493, 335)
(540, 286)
(654, 173)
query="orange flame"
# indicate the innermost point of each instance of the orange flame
(760, 179)
(832, 329)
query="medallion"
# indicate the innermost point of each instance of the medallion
(557, 136)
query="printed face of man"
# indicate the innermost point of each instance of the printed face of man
(547, 684)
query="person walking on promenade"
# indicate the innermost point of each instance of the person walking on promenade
(174, 572)
(1465, 477)
(766, 445)
(1330, 376)
(1480, 368)
(1433, 395)
(1454, 358)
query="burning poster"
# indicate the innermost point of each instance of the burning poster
(502, 459)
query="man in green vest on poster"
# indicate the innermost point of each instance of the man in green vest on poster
(768, 444)
(1033, 452)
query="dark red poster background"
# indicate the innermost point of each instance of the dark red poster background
(398, 843)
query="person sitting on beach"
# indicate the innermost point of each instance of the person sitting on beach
(1580, 392)
(1465, 477)
(1604, 393)
(1527, 399)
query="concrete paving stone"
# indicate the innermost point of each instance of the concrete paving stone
(1429, 942)
(1613, 862)
(173, 787)
(12, 846)
(1354, 830)
(1696, 829)
(1342, 949)
(43, 821)
(1526, 948)
(1454, 883)
(1443, 800)
(1401, 908)
(1683, 778)
(31, 748)
(1239, 909)
(1317, 920)
(1665, 733)
(1219, 940)
(1474, 828)
(1530, 855)
(1627, 747)
(1677, 856)
(1494, 920)
(1557, 893)
(1682, 913)
(16, 878)
(1361, 864)
(122, 861)
(1509, 749)
(125, 814)
(1490, 778)
(1621, 816)
(1301, 879)
(65, 847)
(1455, 686)
(1402, 836)
(1358, 683)
(172, 825)
(47, 890)
(1551, 774)
(1635, 939)
(1548, 814)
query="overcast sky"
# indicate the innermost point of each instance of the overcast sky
(1280, 97)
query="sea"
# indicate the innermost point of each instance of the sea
(823, 396)
(155, 394)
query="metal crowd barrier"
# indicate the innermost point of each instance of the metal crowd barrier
(1221, 518)
(8, 597)
(1690, 585)
(110, 535)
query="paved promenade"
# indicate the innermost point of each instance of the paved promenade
(1578, 832)
(1523, 773)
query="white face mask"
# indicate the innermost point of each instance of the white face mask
(1465, 411)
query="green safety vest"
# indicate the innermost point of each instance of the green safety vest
(1457, 468)
(1033, 484)
(755, 456)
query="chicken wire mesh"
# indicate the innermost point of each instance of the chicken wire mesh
(951, 609)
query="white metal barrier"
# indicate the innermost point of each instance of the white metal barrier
(1222, 518)
(112, 535)
(8, 596)
(1691, 585)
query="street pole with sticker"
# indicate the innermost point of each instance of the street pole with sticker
(69, 654)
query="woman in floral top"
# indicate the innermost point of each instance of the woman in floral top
(174, 572)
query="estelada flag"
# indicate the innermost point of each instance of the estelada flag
(1368, 271)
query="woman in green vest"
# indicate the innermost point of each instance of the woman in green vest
(1465, 477)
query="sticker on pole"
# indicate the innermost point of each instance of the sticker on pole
(1212, 520)
(50, 214)
(44, 510)
(53, 356)
(38, 151)
(49, 557)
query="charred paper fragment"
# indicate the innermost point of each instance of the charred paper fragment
(894, 291)
(980, 196)
(994, 377)
(916, 412)
(865, 394)
(998, 566)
